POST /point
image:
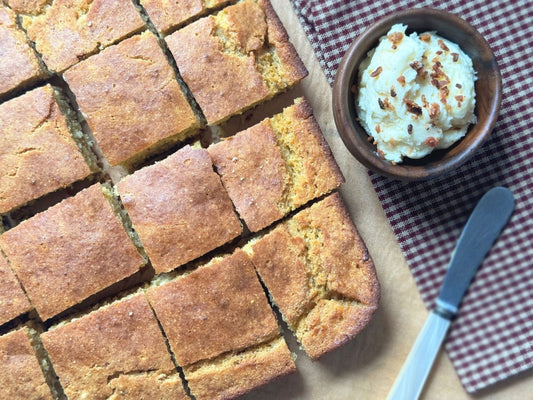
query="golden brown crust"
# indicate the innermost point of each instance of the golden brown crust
(32, 7)
(276, 166)
(19, 65)
(131, 99)
(20, 373)
(318, 271)
(70, 251)
(179, 208)
(114, 348)
(38, 154)
(229, 60)
(13, 301)
(68, 31)
(239, 373)
(218, 308)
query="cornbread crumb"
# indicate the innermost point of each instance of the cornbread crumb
(78, 248)
(276, 166)
(20, 373)
(236, 59)
(115, 352)
(179, 208)
(66, 31)
(19, 65)
(220, 328)
(318, 272)
(35, 133)
(13, 301)
(131, 100)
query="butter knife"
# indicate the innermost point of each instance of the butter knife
(483, 227)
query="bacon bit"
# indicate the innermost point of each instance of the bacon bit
(381, 154)
(455, 57)
(442, 45)
(394, 47)
(381, 104)
(376, 72)
(412, 107)
(392, 92)
(415, 65)
(395, 37)
(387, 104)
(424, 101)
(431, 141)
(353, 89)
(410, 129)
(433, 110)
(443, 94)
(378, 128)
(439, 52)
(401, 79)
(425, 37)
(458, 85)
(459, 98)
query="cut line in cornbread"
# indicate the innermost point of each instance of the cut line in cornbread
(13, 301)
(19, 65)
(276, 166)
(115, 352)
(42, 148)
(131, 100)
(70, 251)
(236, 59)
(20, 373)
(319, 274)
(221, 328)
(179, 208)
(67, 31)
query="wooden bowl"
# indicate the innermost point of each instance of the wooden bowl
(488, 89)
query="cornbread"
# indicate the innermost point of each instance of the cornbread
(39, 154)
(67, 31)
(167, 14)
(221, 329)
(179, 208)
(20, 373)
(19, 65)
(13, 301)
(115, 352)
(71, 251)
(32, 7)
(131, 100)
(320, 275)
(236, 59)
(276, 166)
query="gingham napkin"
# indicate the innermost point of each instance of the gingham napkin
(492, 338)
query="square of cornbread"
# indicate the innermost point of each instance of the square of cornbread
(115, 352)
(131, 100)
(21, 376)
(67, 31)
(179, 208)
(319, 274)
(13, 301)
(221, 329)
(71, 251)
(39, 154)
(235, 59)
(167, 14)
(19, 65)
(276, 166)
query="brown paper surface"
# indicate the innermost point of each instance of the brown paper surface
(366, 367)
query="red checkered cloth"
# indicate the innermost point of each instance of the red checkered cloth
(492, 338)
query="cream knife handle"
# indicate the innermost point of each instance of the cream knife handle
(415, 370)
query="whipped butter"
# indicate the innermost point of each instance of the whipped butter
(416, 94)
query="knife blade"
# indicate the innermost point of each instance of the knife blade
(483, 227)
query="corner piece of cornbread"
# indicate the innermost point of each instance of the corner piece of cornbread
(39, 154)
(20, 373)
(66, 31)
(131, 100)
(221, 328)
(19, 65)
(70, 251)
(115, 352)
(179, 208)
(235, 59)
(276, 166)
(318, 271)
(167, 15)
(13, 301)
